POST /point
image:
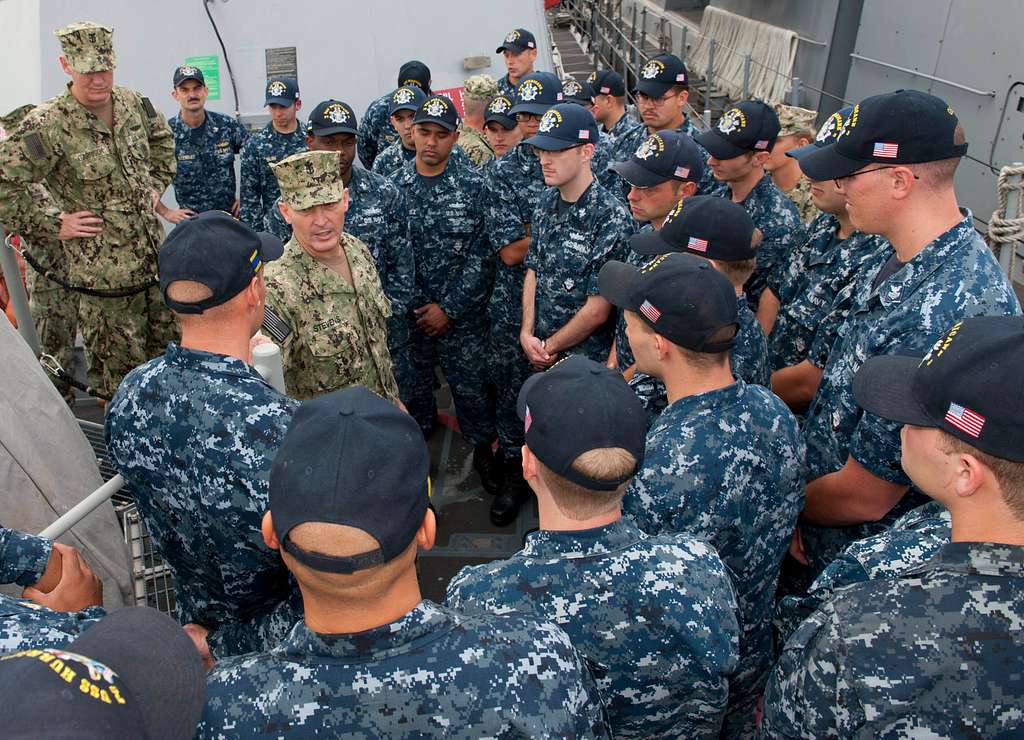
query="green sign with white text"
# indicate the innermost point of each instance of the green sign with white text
(210, 67)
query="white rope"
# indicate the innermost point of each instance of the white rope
(1003, 232)
(773, 50)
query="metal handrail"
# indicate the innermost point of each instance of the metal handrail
(918, 73)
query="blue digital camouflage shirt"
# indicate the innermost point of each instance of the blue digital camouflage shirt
(434, 673)
(194, 435)
(506, 88)
(258, 190)
(726, 466)
(23, 623)
(933, 653)
(808, 286)
(375, 131)
(778, 219)
(567, 253)
(623, 127)
(388, 161)
(656, 615)
(954, 277)
(749, 359)
(911, 541)
(205, 178)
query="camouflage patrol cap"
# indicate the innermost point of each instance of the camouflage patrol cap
(480, 87)
(88, 47)
(794, 120)
(310, 179)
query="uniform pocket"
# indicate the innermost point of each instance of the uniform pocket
(93, 164)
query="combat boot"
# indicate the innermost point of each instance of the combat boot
(488, 467)
(514, 493)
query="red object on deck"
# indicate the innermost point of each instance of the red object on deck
(549, 4)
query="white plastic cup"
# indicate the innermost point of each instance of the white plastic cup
(266, 358)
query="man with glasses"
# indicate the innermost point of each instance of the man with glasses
(514, 185)
(661, 96)
(894, 162)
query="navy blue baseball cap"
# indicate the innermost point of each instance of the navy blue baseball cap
(133, 674)
(188, 72)
(517, 40)
(282, 91)
(704, 225)
(750, 126)
(575, 91)
(576, 406)
(607, 82)
(682, 297)
(440, 110)
(216, 250)
(664, 156)
(660, 74)
(415, 73)
(563, 126)
(902, 127)
(408, 97)
(537, 92)
(333, 117)
(827, 134)
(352, 458)
(499, 111)
(963, 385)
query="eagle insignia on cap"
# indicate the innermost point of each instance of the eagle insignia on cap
(436, 107)
(551, 119)
(530, 89)
(500, 104)
(829, 129)
(652, 69)
(512, 37)
(335, 113)
(277, 89)
(648, 148)
(572, 88)
(402, 96)
(733, 120)
(188, 70)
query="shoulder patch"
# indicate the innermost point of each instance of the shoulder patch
(276, 327)
(147, 106)
(34, 146)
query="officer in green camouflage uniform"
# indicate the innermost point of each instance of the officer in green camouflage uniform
(797, 129)
(325, 291)
(54, 311)
(103, 154)
(476, 93)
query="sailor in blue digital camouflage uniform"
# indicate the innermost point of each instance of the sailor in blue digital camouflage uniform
(454, 273)
(349, 509)
(513, 187)
(610, 104)
(592, 572)
(833, 257)
(519, 50)
(62, 596)
(739, 145)
(935, 651)
(718, 230)
(376, 216)
(402, 106)
(194, 432)
(662, 92)
(377, 132)
(663, 171)
(724, 461)
(895, 162)
(283, 136)
(205, 145)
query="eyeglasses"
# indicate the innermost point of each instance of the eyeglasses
(642, 98)
(840, 180)
(527, 117)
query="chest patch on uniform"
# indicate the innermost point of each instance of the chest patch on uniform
(148, 107)
(276, 327)
(34, 146)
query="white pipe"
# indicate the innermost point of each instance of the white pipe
(83, 508)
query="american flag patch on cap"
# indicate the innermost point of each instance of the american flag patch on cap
(680, 77)
(650, 312)
(885, 149)
(528, 420)
(697, 244)
(605, 90)
(761, 144)
(682, 171)
(965, 420)
(584, 133)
